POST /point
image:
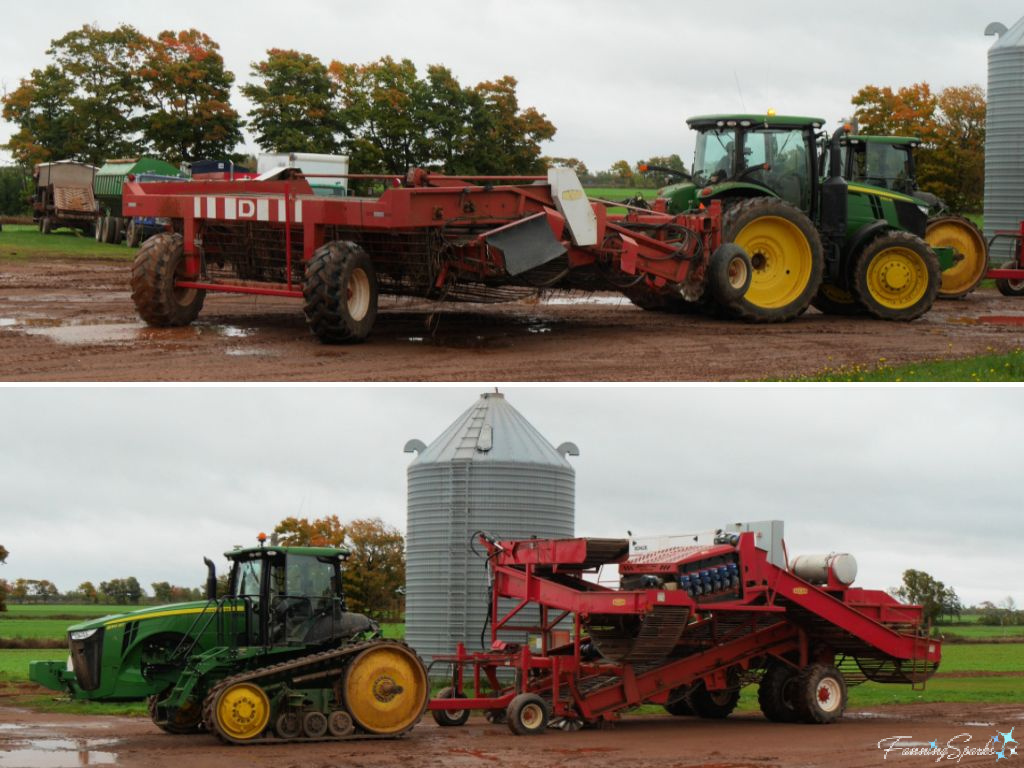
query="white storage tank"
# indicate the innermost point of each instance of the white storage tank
(328, 174)
(491, 470)
(1004, 141)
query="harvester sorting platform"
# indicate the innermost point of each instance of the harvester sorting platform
(433, 236)
(687, 628)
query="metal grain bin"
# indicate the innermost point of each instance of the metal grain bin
(1004, 144)
(490, 470)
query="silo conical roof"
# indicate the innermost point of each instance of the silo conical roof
(1012, 38)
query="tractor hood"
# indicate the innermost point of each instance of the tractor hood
(156, 612)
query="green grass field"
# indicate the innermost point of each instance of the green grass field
(21, 241)
(988, 368)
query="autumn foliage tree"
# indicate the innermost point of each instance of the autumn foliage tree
(375, 569)
(951, 126)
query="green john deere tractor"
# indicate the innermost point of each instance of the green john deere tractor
(887, 162)
(810, 239)
(278, 659)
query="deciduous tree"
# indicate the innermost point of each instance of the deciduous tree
(49, 128)
(920, 588)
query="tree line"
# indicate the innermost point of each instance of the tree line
(374, 577)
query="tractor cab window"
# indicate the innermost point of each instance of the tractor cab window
(247, 579)
(882, 165)
(715, 158)
(302, 591)
(780, 159)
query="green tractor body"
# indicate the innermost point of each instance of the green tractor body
(280, 657)
(740, 158)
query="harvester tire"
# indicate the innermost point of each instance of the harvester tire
(729, 275)
(833, 300)
(966, 239)
(340, 293)
(681, 707)
(1011, 287)
(713, 705)
(98, 229)
(114, 230)
(528, 715)
(786, 255)
(450, 717)
(133, 235)
(650, 300)
(820, 694)
(897, 277)
(777, 693)
(159, 262)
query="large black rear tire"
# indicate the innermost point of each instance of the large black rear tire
(776, 694)
(159, 262)
(340, 293)
(786, 255)
(713, 705)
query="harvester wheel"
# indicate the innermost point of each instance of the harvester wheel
(650, 300)
(386, 689)
(713, 705)
(450, 717)
(820, 694)
(1011, 287)
(528, 715)
(777, 693)
(833, 300)
(496, 716)
(729, 275)
(340, 293)
(681, 707)
(239, 712)
(786, 256)
(967, 241)
(897, 277)
(159, 262)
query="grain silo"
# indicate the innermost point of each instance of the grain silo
(1004, 142)
(490, 470)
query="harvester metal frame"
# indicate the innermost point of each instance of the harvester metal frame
(1009, 278)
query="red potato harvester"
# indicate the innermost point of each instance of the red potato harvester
(687, 628)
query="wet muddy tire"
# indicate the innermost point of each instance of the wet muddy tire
(133, 234)
(159, 262)
(713, 705)
(820, 694)
(340, 293)
(969, 243)
(776, 694)
(897, 277)
(528, 715)
(832, 300)
(786, 254)
(448, 718)
(681, 707)
(729, 275)
(97, 231)
(1010, 288)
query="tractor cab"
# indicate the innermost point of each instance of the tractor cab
(293, 595)
(744, 156)
(886, 162)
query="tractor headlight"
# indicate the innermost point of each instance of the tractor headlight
(923, 209)
(83, 634)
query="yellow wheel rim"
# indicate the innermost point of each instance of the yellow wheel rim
(386, 689)
(782, 261)
(964, 276)
(897, 278)
(243, 711)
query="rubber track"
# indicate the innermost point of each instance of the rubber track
(290, 669)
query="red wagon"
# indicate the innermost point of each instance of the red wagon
(687, 628)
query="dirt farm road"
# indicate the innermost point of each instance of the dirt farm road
(73, 320)
(36, 740)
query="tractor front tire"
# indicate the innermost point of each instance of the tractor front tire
(965, 239)
(448, 718)
(820, 694)
(158, 264)
(776, 694)
(528, 715)
(785, 253)
(897, 277)
(340, 293)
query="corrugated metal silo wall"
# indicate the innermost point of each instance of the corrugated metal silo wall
(1004, 148)
(446, 585)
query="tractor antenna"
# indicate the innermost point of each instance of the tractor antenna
(739, 90)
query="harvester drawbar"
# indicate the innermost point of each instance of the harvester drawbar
(432, 236)
(687, 628)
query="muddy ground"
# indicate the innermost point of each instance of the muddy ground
(37, 740)
(73, 320)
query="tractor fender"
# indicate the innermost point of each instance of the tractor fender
(734, 190)
(855, 243)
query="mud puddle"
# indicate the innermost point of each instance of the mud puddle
(58, 753)
(77, 333)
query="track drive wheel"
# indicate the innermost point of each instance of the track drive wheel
(239, 712)
(777, 693)
(341, 293)
(897, 277)
(967, 241)
(450, 717)
(386, 689)
(1011, 287)
(528, 715)
(833, 300)
(713, 705)
(820, 694)
(159, 262)
(786, 255)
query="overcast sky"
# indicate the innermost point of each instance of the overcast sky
(102, 483)
(617, 79)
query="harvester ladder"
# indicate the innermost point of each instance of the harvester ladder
(458, 549)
